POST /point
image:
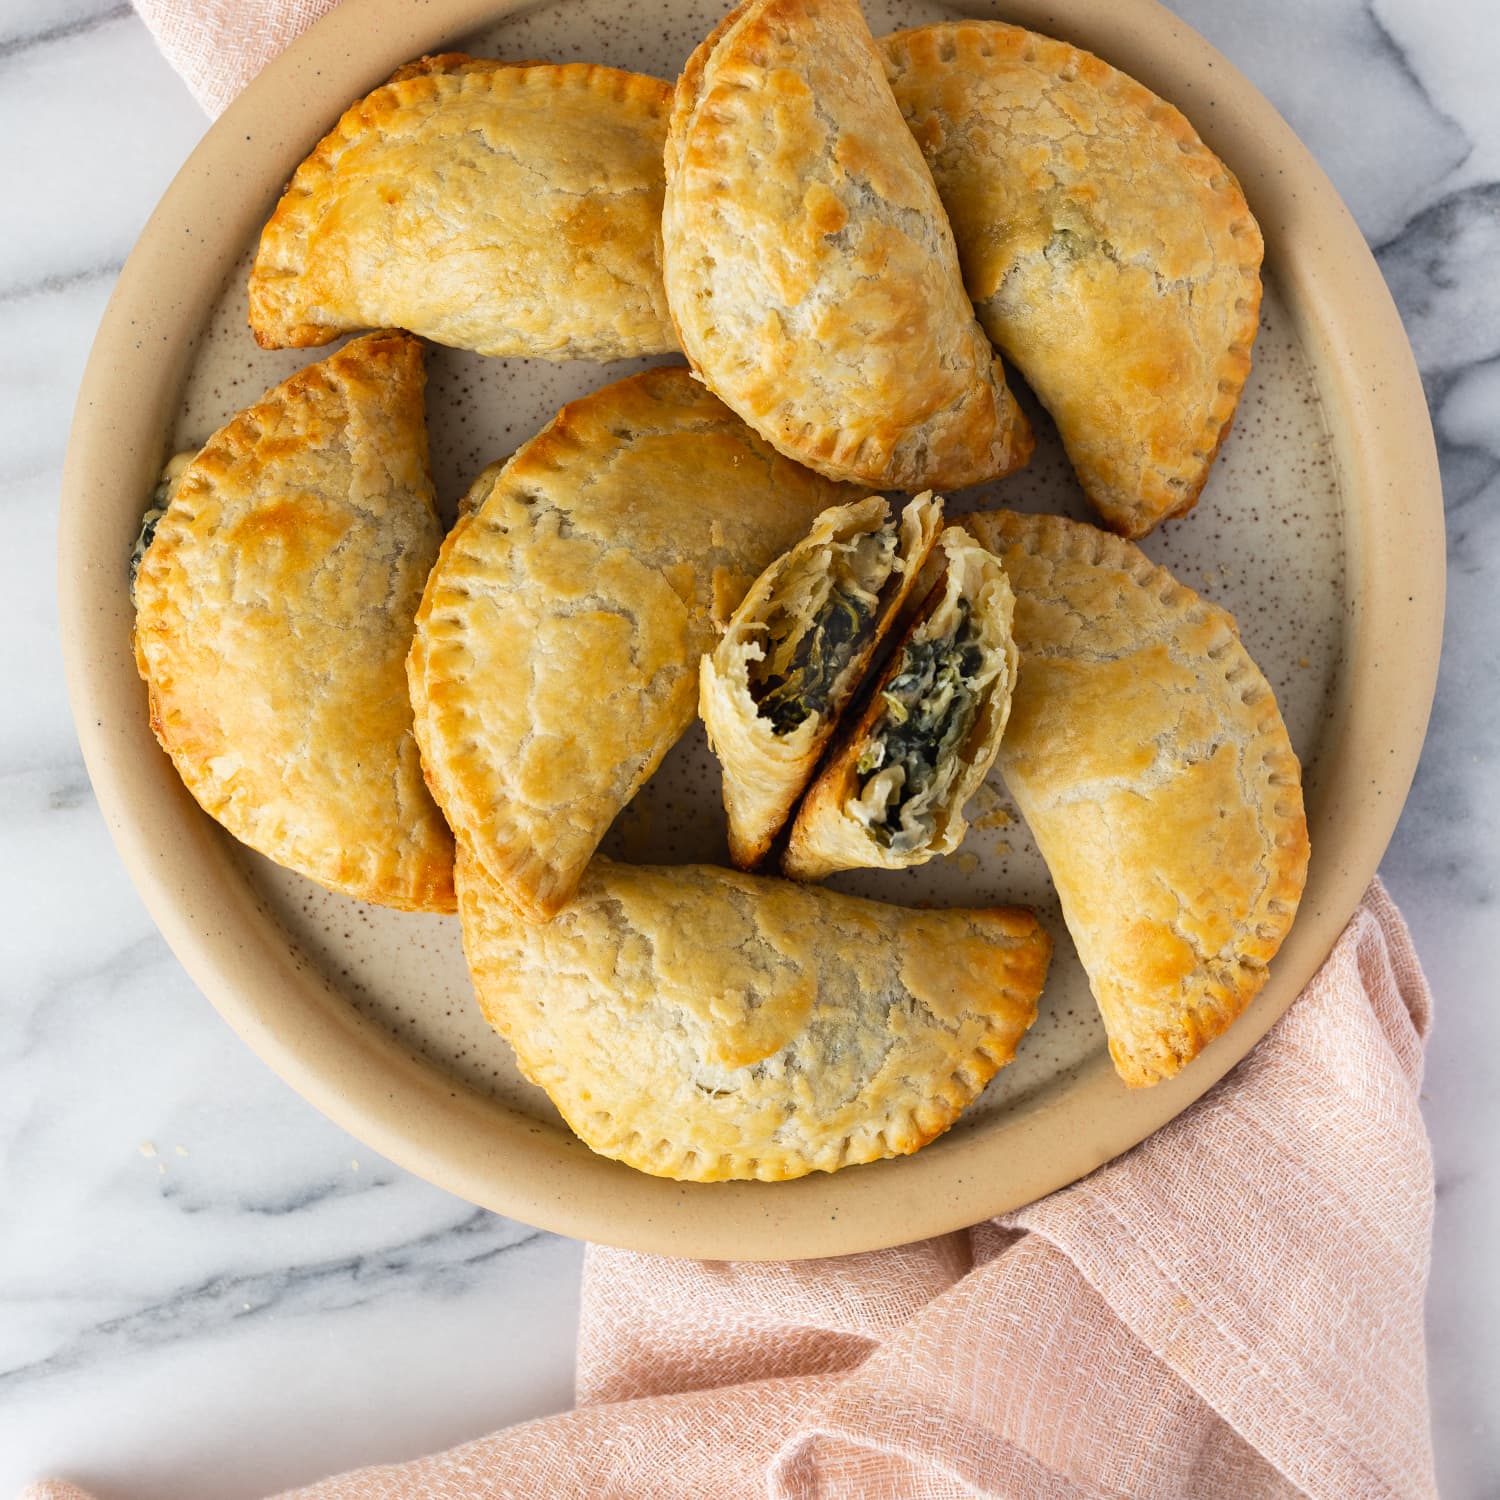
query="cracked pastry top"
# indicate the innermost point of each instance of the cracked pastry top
(511, 209)
(274, 604)
(810, 269)
(796, 649)
(1147, 755)
(1110, 254)
(556, 652)
(893, 791)
(703, 1024)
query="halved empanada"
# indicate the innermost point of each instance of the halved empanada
(274, 609)
(1146, 752)
(701, 1024)
(795, 651)
(809, 266)
(504, 208)
(556, 651)
(894, 789)
(1110, 253)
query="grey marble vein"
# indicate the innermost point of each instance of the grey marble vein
(442, 1263)
(61, 31)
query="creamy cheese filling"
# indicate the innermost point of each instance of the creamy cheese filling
(821, 623)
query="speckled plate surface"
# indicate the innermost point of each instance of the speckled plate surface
(1320, 529)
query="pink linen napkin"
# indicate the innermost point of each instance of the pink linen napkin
(1233, 1309)
(218, 46)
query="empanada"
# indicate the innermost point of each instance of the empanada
(894, 789)
(810, 269)
(556, 652)
(1146, 752)
(702, 1024)
(274, 609)
(1110, 253)
(508, 209)
(772, 690)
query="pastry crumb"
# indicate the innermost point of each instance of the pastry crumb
(147, 1148)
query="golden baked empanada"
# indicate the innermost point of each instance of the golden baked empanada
(1146, 752)
(1110, 253)
(772, 690)
(810, 269)
(508, 209)
(894, 789)
(556, 653)
(702, 1024)
(274, 609)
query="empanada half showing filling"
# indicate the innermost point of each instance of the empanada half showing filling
(1148, 757)
(511, 209)
(895, 786)
(275, 592)
(702, 1024)
(1110, 254)
(795, 650)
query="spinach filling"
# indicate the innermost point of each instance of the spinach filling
(161, 498)
(931, 703)
(799, 677)
(841, 629)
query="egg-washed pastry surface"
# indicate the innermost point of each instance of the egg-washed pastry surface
(1146, 752)
(556, 652)
(810, 269)
(893, 791)
(511, 209)
(704, 1024)
(274, 608)
(1111, 255)
(796, 649)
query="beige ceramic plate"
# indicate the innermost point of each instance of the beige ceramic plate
(1321, 529)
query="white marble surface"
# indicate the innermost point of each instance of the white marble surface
(206, 1288)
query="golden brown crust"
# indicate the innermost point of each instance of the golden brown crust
(765, 770)
(1110, 253)
(274, 610)
(702, 1024)
(557, 644)
(505, 208)
(810, 269)
(1147, 754)
(828, 834)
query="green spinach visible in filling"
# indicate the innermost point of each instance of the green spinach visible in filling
(842, 628)
(930, 706)
(160, 498)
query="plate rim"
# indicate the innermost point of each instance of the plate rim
(434, 1125)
